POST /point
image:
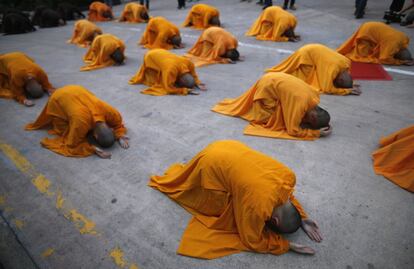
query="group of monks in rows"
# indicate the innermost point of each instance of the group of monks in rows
(241, 200)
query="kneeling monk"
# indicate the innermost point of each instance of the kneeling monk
(202, 16)
(72, 112)
(134, 12)
(100, 12)
(376, 42)
(161, 34)
(274, 24)
(240, 199)
(106, 50)
(321, 67)
(22, 78)
(84, 32)
(395, 158)
(279, 106)
(215, 45)
(167, 73)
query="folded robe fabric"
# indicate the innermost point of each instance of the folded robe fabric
(132, 13)
(272, 24)
(275, 106)
(158, 34)
(375, 42)
(71, 112)
(318, 66)
(83, 31)
(96, 11)
(395, 158)
(231, 190)
(15, 67)
(160, 71)
(99, 54)
(211, 46)
(200, 15)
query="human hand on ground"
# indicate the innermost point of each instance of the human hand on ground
(301, 249)
(311, 229)
(28, 103)
(123, 141)
(102, 154)
(325, 131)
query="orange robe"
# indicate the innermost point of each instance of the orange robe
(158, 34)
(71, 112)
(83, 31)
(200, 15)
(211, 46)
(160, 71)
(96, 10)
(231, 190)
(132, 13)
(99, 54)
(275, 107)
(318, 66)
(375, 42)
(395, 158)
(272, 24)
(15, 67)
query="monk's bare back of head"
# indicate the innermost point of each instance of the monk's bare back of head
(118, 56)
(232, 54)
(107, 14)
(144, 15)
(186, 81)
(176, 41)
(33, 88)
(404, 55)
(343, 80)
(215, 21)
(285, 219)
(103, 135)
(316, 118)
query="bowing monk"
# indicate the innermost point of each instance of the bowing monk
(274, 24)
(100, 12)
(279, 106)
(321, 67)
(240, 199)
(21, 78)
(135, 13)
(69, 11)
(84, 32)
(202, 16)
(395, 158)
(16, 22)
(215, 45)
(376, 42)
(167, 73)
(161, 34)
(106, 50)
(46, 17)
(72, 113)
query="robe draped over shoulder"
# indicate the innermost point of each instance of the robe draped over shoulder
(200, 15)
(158, 34)
(132, 13)
(83, 30)
(96, 11)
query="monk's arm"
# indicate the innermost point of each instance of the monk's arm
(114, 120)
(44, 81)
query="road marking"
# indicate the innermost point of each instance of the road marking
(48, 252)
(399, 71)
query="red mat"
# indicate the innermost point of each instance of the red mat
(365, 71)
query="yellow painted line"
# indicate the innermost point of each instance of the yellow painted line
(2, 200)
(48, 252)
(18, 160)
(118, 257)
(59, 200)
(42, 184)
(84, 225)
(19, 223)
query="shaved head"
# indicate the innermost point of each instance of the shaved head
(404, 55)
(107, 14)
(343, 80)
(176, 40)
(33, 88)
(285, 219)
(215, 21)
(104, 135)
(289, 33)
(118, 56)
(186, 81)
(144, 15)
(232, 54)
(316, 118)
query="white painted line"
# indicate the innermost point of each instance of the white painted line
(398, 71)
(266, 48)
(132, 29)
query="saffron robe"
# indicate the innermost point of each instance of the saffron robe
(96, 11)
(83, 31)
(132, 13)
(15, 67)
(160, 72)
(275, 107)
(231, 190)
(395, 158)
(70, 113)
(200, 15)
(211, 46)
(272, 23)
(158, 34)
(318, 66)
(99, 54)
(375, 42)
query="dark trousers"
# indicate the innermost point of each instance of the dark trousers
(146, 3)
(360, 7)
(397, 5)
(292, 3)
(181, 3)
(268, 3)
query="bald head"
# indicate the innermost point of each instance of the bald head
(232, 54)
(316, 119)
(118, 56)
(33, 88)
(215, 21)
(176, 40)
(343, 80)
(144, 15)
(404, 55)
(107, 14)
(186, 81)
(104, 135)
(285, 219)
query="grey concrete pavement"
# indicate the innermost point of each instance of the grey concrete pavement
(366, 221)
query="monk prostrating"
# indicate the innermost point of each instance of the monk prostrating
(240, 199)
(99, 12)
(376, 42)
(73, 112)
(395, 158)
(21, 78)
(202, 16)
(161, 34)
(134, 13)
(84, 32)
(279, 106)
(167, 73)
(215, 45)
(321, 67)
(106, 50)
(274, 24)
